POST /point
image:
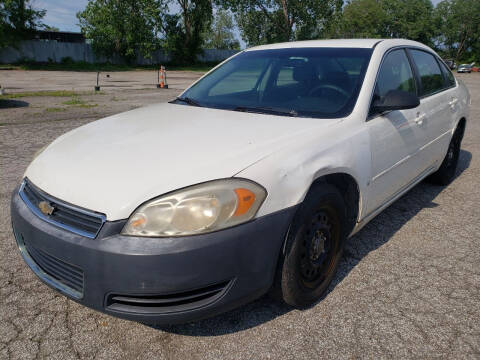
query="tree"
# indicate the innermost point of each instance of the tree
(184, 31)
(123, 27)
(458, 22)
(18, 19)
(51, 28)
(221, 34)
(411, 19)
(267, 21)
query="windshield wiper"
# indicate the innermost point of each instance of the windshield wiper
(267, 110)
(188, 100)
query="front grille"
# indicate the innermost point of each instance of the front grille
(63, 276)
(80, 221)
(158, 304)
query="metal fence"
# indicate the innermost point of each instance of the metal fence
(53, 51)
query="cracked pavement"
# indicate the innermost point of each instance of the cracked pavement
(407, 287)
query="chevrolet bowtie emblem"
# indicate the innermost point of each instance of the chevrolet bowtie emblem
(46, 208)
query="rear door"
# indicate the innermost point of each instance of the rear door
(394, 135)
(437, 105)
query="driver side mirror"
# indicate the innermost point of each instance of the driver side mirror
(396, 100)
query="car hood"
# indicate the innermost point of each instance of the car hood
(115, 164)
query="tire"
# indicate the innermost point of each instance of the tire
(446, 173)
(314, 247)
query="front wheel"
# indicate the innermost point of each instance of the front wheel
(314, 247)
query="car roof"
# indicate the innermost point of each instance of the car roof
(337, 43)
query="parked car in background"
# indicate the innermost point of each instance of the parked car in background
(250, 181)
(464, 68)
(450, 63)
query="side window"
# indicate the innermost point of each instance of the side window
(430, 74)
(395, 74)
(448, 74)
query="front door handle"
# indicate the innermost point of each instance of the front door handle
(419, 119)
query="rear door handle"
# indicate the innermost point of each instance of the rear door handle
(453, 102)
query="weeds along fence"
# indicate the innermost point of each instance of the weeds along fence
(53, 51)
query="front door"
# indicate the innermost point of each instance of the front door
(394, 136)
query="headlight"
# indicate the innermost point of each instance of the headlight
(197, 209)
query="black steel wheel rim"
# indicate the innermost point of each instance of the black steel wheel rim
(318, 246)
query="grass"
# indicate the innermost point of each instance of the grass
(9, 67)
(87, 106)
(54, 109)
(77, 102)
(57, 93)
(74, 101)
(103, 67)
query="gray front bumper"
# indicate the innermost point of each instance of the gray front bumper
(236, 265)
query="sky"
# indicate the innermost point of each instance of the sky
(61, 13)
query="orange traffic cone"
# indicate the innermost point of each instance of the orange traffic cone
(163, 78)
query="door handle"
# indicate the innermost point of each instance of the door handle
(419, 119)
(453, 102)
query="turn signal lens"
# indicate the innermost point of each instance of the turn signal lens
(245, 200)
(197, 209)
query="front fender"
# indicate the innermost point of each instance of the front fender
(287, 174)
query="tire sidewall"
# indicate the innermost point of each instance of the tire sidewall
(447, 170)
(320, 197)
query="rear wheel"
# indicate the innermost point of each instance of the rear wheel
(314, 246)
(445, 174)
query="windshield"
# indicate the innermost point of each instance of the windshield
(311, 82)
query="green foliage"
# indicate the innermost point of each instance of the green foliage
(267, 21)
(50, 28)
(75, 100)
(104, 67)
(184, 31)
(56, 93)
(221, 34)
(410, 19)
(458, 24)
(54, 109)
(17, 19)
(121, 27)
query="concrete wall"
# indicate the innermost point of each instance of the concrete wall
(44, 51)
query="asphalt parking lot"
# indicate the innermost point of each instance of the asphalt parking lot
(408, 285)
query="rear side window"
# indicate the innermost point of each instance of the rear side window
(395, 74)
(448, 75)
(430, 74)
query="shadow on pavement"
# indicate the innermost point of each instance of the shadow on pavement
(7, 103)
(370, 238)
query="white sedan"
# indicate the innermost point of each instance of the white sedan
(249, 182)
